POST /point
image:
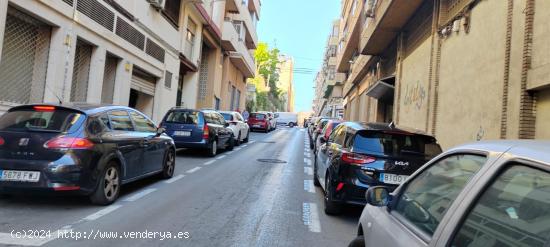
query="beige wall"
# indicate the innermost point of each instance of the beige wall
(413, 103)
(232, 77)
(543, 115)
(470, 89)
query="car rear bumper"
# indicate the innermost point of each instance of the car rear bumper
(65, 175)
(353, 191)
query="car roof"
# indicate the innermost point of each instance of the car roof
(84, 107)
(536, 150)
(383, 127)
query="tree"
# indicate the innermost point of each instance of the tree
(267, 61)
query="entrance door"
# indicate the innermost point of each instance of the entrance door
(142, 92)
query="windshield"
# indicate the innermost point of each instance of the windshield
(183, 117)
(257, 116)
(395, 144)
(58, 120)
(227, 116)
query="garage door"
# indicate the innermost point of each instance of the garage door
(144, 84)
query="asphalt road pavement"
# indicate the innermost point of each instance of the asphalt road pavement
(260, 194)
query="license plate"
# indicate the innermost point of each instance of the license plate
(256, 126)
(182, 133)
(19, 176)
(389, 178)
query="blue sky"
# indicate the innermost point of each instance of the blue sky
(300, 29)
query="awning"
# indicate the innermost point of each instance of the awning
(186, 64)
(382, 89)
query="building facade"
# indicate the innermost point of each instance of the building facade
(147, 54)
(286, 81)
(463, 70)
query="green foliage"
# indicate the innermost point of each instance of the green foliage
(266, 61)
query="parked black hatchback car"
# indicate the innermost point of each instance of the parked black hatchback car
(201, 129)
(79, 148)
(361, 155)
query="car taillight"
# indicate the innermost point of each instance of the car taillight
(354, 158)
(2, 141)
(205, 133)
(64, 142)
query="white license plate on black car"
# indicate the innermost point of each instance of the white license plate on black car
(389, 178)
(19, 176)
(182, 133)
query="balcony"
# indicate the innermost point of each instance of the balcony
(351, 39)
(230, 36)
(389, 17)
(254, 6)
(358, 69)
(232, 6)
(242, 59)
(188, 49)
(251, 37)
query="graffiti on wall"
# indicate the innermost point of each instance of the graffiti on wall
(415, 95)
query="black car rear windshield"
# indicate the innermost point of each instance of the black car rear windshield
(395, 144)
(257, 116)
(43, 120)
(183, 117)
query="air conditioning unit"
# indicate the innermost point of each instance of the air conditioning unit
(369, 8)
(157, 4)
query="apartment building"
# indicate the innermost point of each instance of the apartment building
(329, 98)
(463, 70)
(286, 81)
(147, 54)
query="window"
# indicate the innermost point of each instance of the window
(168, 79)
(172, 10)
(121, 121)
(142, 123)
(183, 117)
(209, 119)
(428, 196)
(191, 31)
(228, 116)
(396, 144)
(514, 211)
(353, 7)
(58, 120)
(339, 135)
(219, 118)
(105, 119)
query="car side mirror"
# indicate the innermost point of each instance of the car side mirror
(226, 124)
(378, 196)
(160, 131)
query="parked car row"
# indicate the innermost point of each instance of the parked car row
(494, 193)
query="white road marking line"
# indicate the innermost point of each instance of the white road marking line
(193, 170)
(308, 171)
(209, 162)
(221, 157)
(251, 142)
(308, 186)
(302, 130)
(174, 179)
(246, 145)
(102, 212)
(308, 162)
(305, 160)
(139, 195)
(310, 216)
(307, 155)
(9, 239)
(237, 149)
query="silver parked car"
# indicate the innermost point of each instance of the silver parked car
(485, 194)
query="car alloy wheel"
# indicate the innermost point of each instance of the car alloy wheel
(112, 183)
(247, 136)
(315, 176)
(169, 165)
(230, 143)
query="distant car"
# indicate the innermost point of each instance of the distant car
(259, 121)
(199, 129)
(325, 133)
(289, 119)
(271, 119)
(240, 128)
(358, 156)
(483, 194)
(83, 149)
(317, 131)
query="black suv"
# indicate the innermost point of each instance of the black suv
(360, 155)
(202, 129)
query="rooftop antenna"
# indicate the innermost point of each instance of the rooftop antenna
(392, 125)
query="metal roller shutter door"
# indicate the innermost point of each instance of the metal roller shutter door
(144, 85)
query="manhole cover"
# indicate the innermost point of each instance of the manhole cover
(267, 142)
(271, 161)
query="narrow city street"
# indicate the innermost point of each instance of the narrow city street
(235, 199)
